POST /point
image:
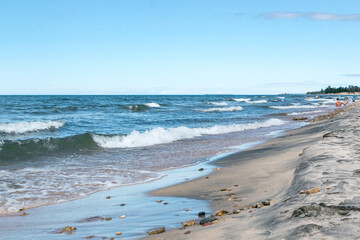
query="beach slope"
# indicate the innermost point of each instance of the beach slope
(322, 156)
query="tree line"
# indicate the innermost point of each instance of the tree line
(329, 89)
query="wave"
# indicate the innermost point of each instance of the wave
(218, 103)
(296, 106)
(309, 112)
(153, 104)
(24, 127)
(138, 108)
(226, 109)
(257, 101)
(248, 100)
(161, 135)
(241, 99)
(29, 148)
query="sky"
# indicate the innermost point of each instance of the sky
(178, 46)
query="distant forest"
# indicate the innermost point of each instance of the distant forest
(329, 89)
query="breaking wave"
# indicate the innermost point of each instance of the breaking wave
(248, 100)
(24, 127)
(161, 135)
(218, 103)
(227, 109)
(153, 104)
(295, 106)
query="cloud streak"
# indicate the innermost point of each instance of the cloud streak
(316, 16)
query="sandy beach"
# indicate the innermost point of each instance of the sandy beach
(322, 157)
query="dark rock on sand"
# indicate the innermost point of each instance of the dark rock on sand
(201, 169)
(201, 214)
(300, 119)
(266, 202)
(157, 231)
(207, 220)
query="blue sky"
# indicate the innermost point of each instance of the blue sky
(178, 47)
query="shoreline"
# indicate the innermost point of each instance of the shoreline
(269, 172)
(99, 198)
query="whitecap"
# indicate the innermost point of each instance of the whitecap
(226, 109)
(24, 127)
(161, 135)
(152, 104)
(218, 103)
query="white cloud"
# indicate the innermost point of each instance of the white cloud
(318, 16)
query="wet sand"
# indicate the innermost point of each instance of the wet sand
(323, 154)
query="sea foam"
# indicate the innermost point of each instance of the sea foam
(248, 100)
(24, 127)
(153, 104)
(226, 109)
(161, 135)
(218, 103)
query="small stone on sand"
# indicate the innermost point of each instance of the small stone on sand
(119, 233)
(157, 231)
(313, 190)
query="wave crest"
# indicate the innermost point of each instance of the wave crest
(160, 135)
(153, 104)
(218, 103)
(227, 109)
(24, 127)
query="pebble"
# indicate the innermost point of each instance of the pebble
(216, 169)
(236, 211)
(67, 229)
(157, 231)
(108, 218)
(165, 203)
(123, 216)
(201, 214)
(313, 190)
(159, 201)
(221, 213)
(123, 204)
(266, 203)
(108, 197)
(207, 220)
(89, 237)
(201, 169)
(189, 223)
(187, 232)
(119, 233)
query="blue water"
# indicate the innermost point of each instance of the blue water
(59, 148)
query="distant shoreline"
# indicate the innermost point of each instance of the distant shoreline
(341, 93)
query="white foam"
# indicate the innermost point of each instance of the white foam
(160, 135)
(281, 97)
(218, 103)
(153, 104)
(301, 113)
(248, 100)
(24, 127)
(241, 99)
(257, 101)
(295, 106)
(226, 109)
